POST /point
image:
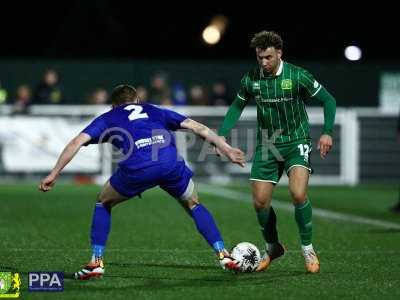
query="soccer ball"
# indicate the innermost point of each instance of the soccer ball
(247, 255)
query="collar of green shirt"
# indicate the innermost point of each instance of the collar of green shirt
(279, 72)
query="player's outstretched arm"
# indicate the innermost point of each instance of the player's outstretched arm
(325, 142)
(235, 155)
(232, 116)
(317, 91)
(65, 157)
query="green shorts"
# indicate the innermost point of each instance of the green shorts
(269, 162)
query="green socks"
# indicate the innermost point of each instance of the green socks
(267, 219)
(303, 216)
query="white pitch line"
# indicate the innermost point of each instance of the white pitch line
(318, 212)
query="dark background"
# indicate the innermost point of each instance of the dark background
(138, 30)
(103, 43)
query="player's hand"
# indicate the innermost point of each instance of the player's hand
(47, 183)
(236, 156)
(324, 145)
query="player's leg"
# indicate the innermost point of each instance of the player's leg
(299, 170)
(203, 219)
(101, 223)
(206, 225)
(265, 173)
(180, 185)
(298, 182)
(262, 197)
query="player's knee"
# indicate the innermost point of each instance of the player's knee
(260, 205)
(193, 202)
(190, 202)
(298, 197)
(260, 201)
(106, 201)
(189, 199)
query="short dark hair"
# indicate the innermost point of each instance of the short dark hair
(123, 93)
(266, 39)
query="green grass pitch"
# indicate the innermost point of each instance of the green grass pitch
(155, 252)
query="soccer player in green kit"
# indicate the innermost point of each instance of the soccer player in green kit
(280, 90)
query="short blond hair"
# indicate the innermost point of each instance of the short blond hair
(266, 39)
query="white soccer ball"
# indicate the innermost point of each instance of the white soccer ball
(247, 255)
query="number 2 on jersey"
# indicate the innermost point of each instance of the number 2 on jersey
(136, 112)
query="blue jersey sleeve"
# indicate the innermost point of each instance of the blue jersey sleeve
(96, 129)
(173, 120)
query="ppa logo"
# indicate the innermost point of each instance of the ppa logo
(46, 281)
(10, 284)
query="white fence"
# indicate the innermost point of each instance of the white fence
(31, 143)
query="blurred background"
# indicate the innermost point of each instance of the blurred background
(60, 61)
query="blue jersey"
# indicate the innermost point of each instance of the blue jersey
(141, 131)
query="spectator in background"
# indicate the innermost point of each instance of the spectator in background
(22, 100)
(99, 96)
(179, 96)
(48, 90)
(3, 94)
(160, 92)
(142, 93)
(219, 93)
(198, 95)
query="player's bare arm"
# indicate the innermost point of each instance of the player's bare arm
(65, 157)
(234, 154)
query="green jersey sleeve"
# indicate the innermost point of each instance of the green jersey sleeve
(243, 93)
(316, 91)
(236, 108)
(309, 84)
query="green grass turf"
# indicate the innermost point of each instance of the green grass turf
(154, 251)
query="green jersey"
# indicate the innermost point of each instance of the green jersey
(280, 101)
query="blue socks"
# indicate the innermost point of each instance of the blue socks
(207, 228)
(101, 224)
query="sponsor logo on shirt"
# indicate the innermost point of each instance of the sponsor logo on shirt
(280, 99)
(286, 84)
(157, 139)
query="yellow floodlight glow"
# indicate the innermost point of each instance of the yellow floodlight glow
(211, 35)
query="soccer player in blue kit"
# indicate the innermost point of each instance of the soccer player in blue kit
(143, 133)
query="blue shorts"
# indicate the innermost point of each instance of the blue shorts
(172, 179)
